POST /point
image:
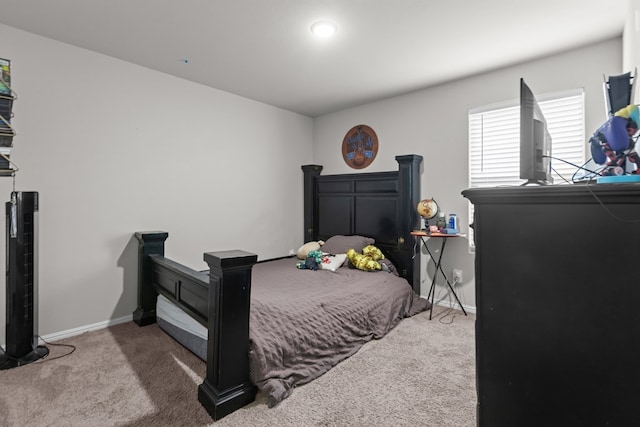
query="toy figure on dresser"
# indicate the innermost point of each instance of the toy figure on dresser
(614, 143)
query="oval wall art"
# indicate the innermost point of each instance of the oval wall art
(360, 146)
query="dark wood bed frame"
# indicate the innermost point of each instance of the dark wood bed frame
(378, 204)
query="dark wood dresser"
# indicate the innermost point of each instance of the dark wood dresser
(558, 305)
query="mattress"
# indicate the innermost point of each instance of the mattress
(181, 327)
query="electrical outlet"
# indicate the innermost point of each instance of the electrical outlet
(457, 275)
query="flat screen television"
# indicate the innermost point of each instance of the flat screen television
(535, 141)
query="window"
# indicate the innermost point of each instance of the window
(494, 141)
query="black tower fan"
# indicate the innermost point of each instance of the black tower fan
(22, 281)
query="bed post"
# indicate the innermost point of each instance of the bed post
(149, 243)
(310, 213)
(409, 176)
(227, 386)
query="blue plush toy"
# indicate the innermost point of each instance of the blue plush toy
(613, 144)
(312, 262)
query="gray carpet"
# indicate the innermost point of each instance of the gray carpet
(421, 374)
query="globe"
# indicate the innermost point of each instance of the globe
(427, 208)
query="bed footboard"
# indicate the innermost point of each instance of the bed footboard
(222, 304)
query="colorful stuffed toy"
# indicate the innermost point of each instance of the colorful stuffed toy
(367, 260)
(312, 262)
(613, 143)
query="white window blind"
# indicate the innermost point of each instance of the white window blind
(494, 141)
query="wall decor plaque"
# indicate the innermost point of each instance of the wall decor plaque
(360, 146)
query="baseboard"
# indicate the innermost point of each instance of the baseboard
(80, 330)
(87, 328)
(450, 302)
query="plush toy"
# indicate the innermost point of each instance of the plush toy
(304, 250)
(612, 144)
(312, 262)
(373, 252)
(365, 262)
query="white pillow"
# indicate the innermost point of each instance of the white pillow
(332, 262)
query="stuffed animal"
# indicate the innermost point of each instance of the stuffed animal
(312, 262)
(373, 252)
(304, 250)
(613, 143)
(365, 262)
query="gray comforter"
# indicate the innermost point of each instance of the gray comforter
(304, 322)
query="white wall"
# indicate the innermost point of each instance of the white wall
(433, 123)
(631, 42)
(115, 148)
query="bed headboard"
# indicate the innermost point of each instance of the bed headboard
(378, 204)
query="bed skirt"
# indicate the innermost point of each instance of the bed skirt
(181, 327)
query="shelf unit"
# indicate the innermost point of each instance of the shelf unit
(7, 97)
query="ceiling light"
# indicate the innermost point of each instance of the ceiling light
(324, 28)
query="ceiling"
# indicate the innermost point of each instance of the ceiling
(264, 50)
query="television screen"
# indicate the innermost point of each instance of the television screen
(535, 141)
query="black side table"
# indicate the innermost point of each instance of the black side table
(424, 236)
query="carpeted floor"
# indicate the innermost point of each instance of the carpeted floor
(421, 374)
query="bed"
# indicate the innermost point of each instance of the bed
(271, 325)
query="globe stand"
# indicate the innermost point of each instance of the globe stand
(427, 209)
